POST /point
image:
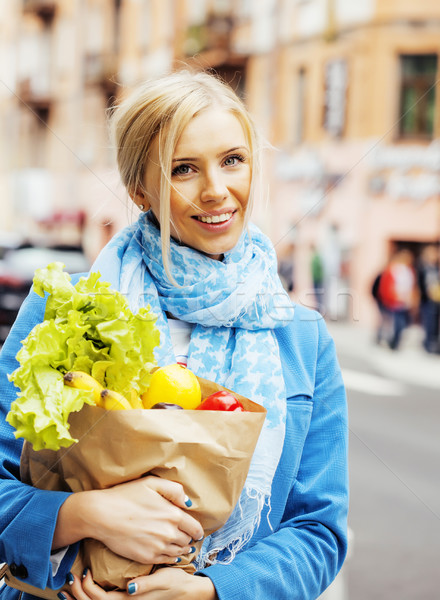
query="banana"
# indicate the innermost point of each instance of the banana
(108, 399)
(111, 400)
(83, 381)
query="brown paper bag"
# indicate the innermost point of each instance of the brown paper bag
(209, 453)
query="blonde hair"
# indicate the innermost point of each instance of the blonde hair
(163, 108)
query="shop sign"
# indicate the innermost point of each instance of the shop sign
(415, 187)
(407, 157)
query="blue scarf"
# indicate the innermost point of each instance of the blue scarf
(235, 304)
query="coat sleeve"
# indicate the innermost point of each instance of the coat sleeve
(27, 515)
(302, 557)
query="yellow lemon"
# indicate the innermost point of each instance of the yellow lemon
(174, 384)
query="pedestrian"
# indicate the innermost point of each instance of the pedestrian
(317, 271)
(382, 333)
(428, 278)
(187, 153)
(286, 269)
(397, 293)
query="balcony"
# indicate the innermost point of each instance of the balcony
(214, 34)
(101, 70)
(39, 103)
(44, 9)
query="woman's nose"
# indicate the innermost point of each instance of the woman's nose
(214, 187)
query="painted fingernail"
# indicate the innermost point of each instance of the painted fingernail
(132, 588)
(62, 596)
(84, 573)
(188, 502)
(70, 578)
(192, 550)
(178, 560)
(200, 538)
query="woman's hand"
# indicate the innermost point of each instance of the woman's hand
(164, 584)
(141, 520)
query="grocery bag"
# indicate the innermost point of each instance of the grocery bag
(208, 452)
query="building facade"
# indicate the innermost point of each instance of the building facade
(346, 92)
(357, 122)
(65, 63)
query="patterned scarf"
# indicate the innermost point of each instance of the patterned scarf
(235, 304)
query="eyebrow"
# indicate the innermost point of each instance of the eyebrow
(189, 158)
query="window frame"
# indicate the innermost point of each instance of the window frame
(421, 83)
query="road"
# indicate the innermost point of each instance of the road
(394, 412)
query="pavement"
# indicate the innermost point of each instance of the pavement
(377, 370)
(385, 369)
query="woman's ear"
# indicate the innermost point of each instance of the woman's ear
(141, 202)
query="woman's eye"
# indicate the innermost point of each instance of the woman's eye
(231, 161)
(181, 170)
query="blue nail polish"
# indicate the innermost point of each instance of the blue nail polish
(84, 573)
(192, 550)
(178, 560)
(188, 502)
(70, 578)
(132, 588)
(200, 539)
(62, 596)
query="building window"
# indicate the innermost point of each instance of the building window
(300, 106)
(234, 76)
(417, 95)
(336, 77)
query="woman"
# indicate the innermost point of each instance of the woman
(188, 156)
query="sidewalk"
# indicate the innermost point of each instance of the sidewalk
(409, 364)
(386, 373)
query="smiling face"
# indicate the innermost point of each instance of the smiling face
(210, 182)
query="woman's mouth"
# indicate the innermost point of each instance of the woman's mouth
(210, 219)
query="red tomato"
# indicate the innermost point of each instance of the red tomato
(221, 401)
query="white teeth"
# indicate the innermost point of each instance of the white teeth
(216, 218)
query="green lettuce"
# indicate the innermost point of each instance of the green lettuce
(87, 327)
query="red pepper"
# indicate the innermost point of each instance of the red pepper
(221, 401)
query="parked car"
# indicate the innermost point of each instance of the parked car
(17, 268)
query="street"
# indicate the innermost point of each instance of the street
(394, 412)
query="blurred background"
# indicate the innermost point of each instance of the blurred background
(346, 92)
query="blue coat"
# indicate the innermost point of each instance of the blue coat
(305, 550)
